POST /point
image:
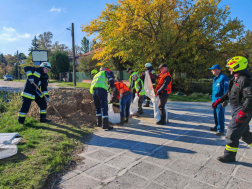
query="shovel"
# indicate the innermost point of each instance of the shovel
(46, 98)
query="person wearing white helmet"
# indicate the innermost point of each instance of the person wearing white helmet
(148, 67)
(39, 77)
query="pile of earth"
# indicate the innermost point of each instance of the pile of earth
(76, 106)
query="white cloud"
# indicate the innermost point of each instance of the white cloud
(10, 34)
(55, 10)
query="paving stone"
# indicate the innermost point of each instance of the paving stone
(218, 166)
(116, 147)
(86, 164)
(195, 158)
(170, 179)
(155, 186)
(67, 176)
(213, 177)
(243, 173)
(157, 141)
(180, 144)
(146, 170)
(126, 181)
(248, 153)
(239, 184)
(203, 150)
(135, 154)
(184, 167)
(198, 185)
(80, 181)
(121, 161)
(100, 155)
(99, 141)
(160, 159)
(102, 172)
(128, 142)
(144, 147)
(246, 162)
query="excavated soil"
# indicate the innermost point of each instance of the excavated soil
(76, 107)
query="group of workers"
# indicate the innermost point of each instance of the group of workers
(237, 92)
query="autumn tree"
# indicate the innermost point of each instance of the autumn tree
(184, 34)
(58, 47)
(45, 40)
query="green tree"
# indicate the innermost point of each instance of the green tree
(45, 40)
(85, 45)
(35, 44)
(87, 64)
(93, 44)
(59, 62)
(59, 47)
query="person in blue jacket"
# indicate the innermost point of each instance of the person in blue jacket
(220, 86)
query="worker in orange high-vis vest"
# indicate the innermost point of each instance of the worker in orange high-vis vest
(163, 89)
(124, 95)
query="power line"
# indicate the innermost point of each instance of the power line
(59, 35)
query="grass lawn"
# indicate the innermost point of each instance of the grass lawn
(190, 98)
(44, 150)
(70, 84)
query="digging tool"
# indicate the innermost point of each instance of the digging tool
(46, 98)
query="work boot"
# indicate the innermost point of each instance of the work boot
(44, 120)
(225, 159)
(105, 124)
(147, 104)
(140, 112)
(126, 120)
(122, 121)
(99, 121)
(219, 133)
(213, 129)
(163, 117)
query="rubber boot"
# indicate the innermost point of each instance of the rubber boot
(126, 120)
(105, 124)
(147, 104)
(226, 159)
(163, 117)
(99, 121)
(122, 121)
(44, 120)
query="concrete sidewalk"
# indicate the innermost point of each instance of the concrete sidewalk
(180, 155)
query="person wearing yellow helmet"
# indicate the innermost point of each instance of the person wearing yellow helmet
(239, 95)
(93, 72)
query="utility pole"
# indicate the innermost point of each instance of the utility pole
(18, 65)
(74, 70)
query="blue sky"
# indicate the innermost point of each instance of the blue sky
(21, 20)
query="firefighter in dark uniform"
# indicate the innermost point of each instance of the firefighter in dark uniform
(163, 90)
(98, 89)
(239, 95)
(39, 77)
(149, 67)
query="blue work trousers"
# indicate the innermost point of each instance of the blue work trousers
(219, 118)
(101, 102)
(125, 105)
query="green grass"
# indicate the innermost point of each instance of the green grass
(44, 150)
(78, 85)
(195, 97)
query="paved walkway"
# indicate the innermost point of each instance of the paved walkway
(144, 155)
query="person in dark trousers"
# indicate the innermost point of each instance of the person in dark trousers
(148, 66)
(220, 86)
(140, 92)
(142, 77)
(163, 89)
(124, 95)
(98, 89)
(239, 95)
(132, 82)
(39, 77)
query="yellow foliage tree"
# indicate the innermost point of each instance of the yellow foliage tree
(184, 34)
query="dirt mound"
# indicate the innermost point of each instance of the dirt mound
(75, 105)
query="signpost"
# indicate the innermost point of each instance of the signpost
(39, 56)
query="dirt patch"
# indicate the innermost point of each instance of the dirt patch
(75, 105)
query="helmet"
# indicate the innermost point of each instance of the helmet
(237, 63)
(147, 65)
(46, 65)
(94, 72)
(129, 69)
(134, 75)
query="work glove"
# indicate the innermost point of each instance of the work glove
(216, 103)
(240, 117)
(137, 94)
(47, 99)
(225, 103)
(31, 80)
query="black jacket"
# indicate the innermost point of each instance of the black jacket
(240, 91)
(151, 70)
(40, 79)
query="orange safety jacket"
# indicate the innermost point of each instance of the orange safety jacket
(121, 88)
(161, 78)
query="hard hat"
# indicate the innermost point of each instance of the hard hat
(129, 69)
(46, 65)
(147, 65)
(134, 75)
(94, 72)
(237, 63)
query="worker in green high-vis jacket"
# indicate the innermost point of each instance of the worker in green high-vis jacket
(132, 82)
(139, 87)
